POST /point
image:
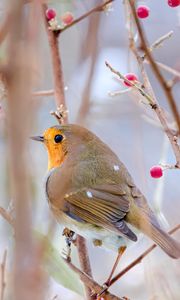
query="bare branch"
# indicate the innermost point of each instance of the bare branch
(166, 88)
(93, 285)
(84, 261)
(153, 103)
(166, 68)
(161, 114)
(158, 43)
(139, 259)
(60, 103)
(56, 62)
(98, 8)
(43, 93)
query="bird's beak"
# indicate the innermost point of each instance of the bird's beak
(38, 138)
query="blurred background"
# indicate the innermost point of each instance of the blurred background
(128, 126)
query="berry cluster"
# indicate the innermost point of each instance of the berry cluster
(66, 18)
(143, 10)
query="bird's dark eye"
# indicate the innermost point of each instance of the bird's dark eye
(58, 138)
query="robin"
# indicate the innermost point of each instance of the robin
(91, 192)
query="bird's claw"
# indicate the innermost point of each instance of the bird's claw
(104, 290)
(69, 239)
(66, 253)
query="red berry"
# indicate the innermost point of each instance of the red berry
(173, 3)
(67, 18)
(156, 171)
(130, 77)
(50, 14)
(143, 11)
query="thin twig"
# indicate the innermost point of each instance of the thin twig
(158, 43)
(43, 93)
(166, 88)
(155, 106)
(93, 285)
(139, 259)
(166, 68)
(98, 8)
(132, 84)
(3, 268)
(56, 62)
(6, 216)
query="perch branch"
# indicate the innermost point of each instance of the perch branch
(84, 261)
(139, 258)
(166, 88)
(93, 285)
(60, 103)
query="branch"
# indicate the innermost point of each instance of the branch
(166, 88)
(43, 93)
(84, 261)
(61, 104)
(158, 43)
(139, 259)
(6, 216)
(131, 83)
(93, 285)
(56, 63)
(166, 68)
(154, 105)
(3, 267)
(98, 8)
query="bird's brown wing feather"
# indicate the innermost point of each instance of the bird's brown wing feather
(104, 208)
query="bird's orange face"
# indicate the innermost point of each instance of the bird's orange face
(55, 142)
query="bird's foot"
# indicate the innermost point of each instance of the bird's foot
(66, 253)
(69, 239)
(103, 291)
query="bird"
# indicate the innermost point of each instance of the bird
(91, 192)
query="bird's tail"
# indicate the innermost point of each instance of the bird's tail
(165, 241)
(148, 225)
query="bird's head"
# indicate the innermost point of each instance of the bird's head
(59, 140)
(56, 143)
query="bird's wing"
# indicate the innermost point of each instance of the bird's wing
(104, 206)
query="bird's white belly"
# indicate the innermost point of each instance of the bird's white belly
(90, 232)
